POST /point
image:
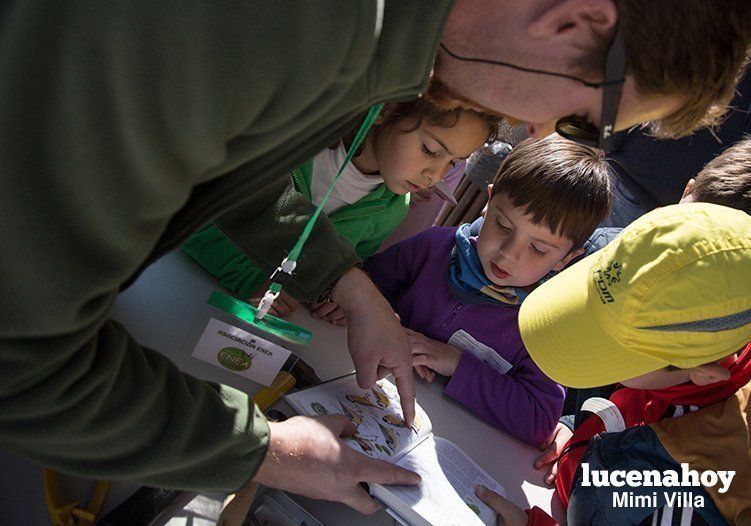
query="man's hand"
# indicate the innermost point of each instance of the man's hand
(330, 312)
(376, 339)
(551, 451)
(436, 356)
(509, 514)
(283, 306)
(307, 456)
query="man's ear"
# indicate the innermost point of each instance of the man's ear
(567, 259)
(685, 198)
(575, 20)
(709, 373)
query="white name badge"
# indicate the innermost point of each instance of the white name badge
(464, 341)
(240, 352)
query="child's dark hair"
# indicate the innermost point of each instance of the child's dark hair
(561, 184)
(410, 115)
(726, 179)
(418, 109)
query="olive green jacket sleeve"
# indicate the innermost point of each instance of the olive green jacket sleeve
(326, 255)
(125, 126)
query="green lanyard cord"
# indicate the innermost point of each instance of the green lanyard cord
(283, 273)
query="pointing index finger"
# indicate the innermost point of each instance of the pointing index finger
(405, 384)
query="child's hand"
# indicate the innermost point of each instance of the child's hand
(551, 451)
(329, 311)
(436, 356)
(425, 373)
(283, 306)
(509, 514)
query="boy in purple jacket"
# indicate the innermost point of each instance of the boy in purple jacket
(458, 290)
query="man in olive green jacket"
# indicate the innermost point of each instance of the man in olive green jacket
(125, 126)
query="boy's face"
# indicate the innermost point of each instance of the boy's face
(516, 252)
(416, 160)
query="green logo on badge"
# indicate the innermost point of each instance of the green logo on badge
(234, 359)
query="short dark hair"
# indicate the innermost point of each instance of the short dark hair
(695, 49)
(726, 179)
(561, 184)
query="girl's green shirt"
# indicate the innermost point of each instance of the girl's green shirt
(365, 224)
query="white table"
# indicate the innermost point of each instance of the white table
(160, 308)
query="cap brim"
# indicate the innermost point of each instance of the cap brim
(565, 338)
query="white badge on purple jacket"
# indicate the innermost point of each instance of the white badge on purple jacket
(464, 341)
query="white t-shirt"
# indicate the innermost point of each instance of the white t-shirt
(352, 186)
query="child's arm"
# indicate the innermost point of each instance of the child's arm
(552, 449)
(393, 270)
(523, 402)
(216, 253)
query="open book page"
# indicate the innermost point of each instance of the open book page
(446, 495)
(381, 432)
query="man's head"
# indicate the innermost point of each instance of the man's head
(682, 61)
(547, 199)
(671, 294)
(726, 180)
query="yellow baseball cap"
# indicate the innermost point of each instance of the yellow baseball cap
(674, 288)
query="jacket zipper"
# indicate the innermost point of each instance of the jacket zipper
(339, 218)
(296, 180)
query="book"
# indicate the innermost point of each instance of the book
(445, 497)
